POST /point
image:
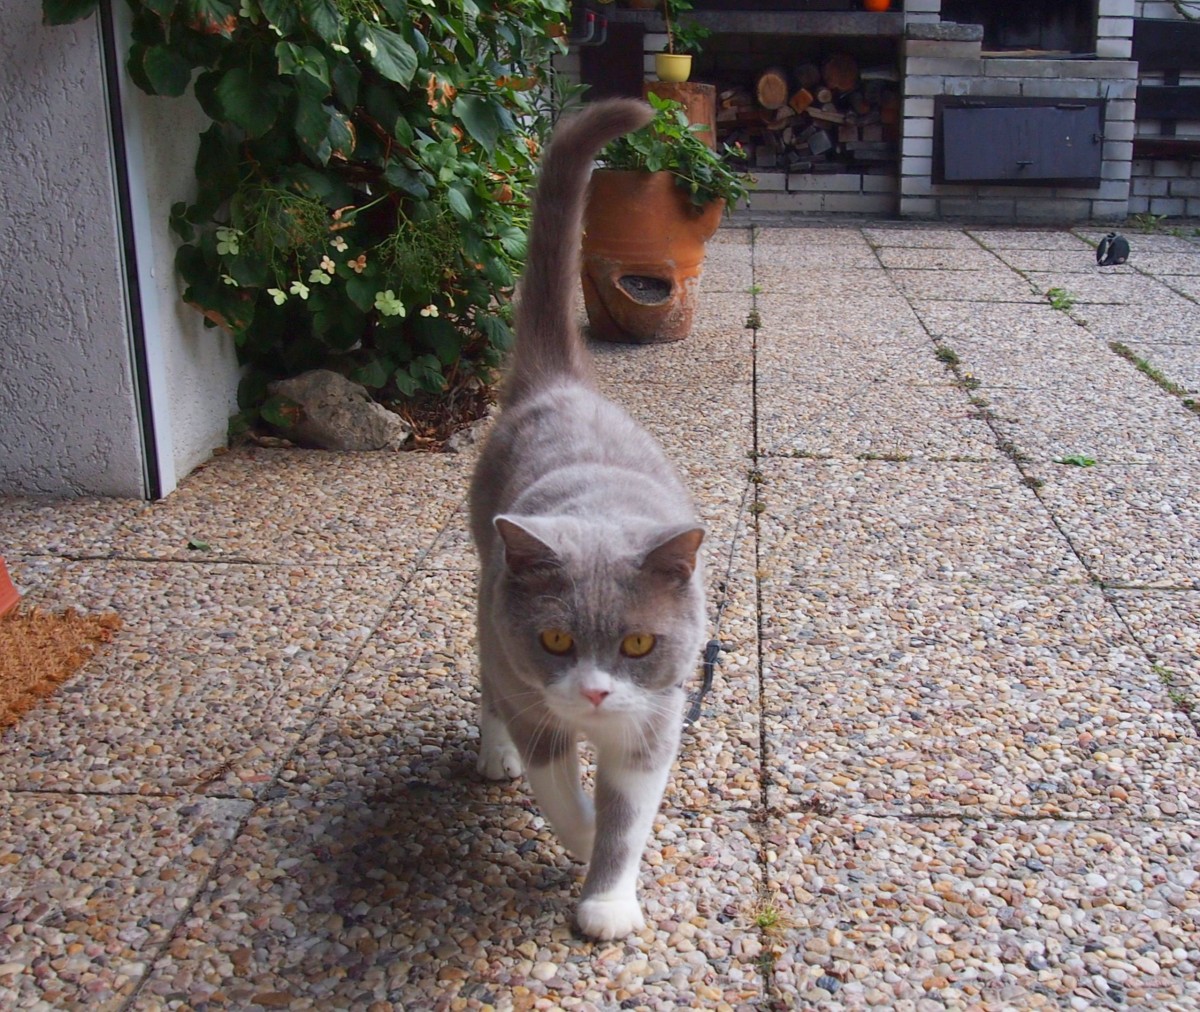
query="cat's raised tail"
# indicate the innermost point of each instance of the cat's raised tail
(549, 346)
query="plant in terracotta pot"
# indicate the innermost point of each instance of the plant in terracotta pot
(654, 203)
(683, 39)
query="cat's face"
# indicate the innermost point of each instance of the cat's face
(601, 623)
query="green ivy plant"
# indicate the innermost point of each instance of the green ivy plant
(668, 143)
(363, 187)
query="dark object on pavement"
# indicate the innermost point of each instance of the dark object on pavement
(1113, 250)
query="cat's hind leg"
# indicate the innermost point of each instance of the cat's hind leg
(499, 758)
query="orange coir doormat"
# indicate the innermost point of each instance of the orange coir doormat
(39, 650)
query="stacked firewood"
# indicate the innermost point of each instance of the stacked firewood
(814, 117)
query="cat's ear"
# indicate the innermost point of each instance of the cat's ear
(523, 550)
(673, 553)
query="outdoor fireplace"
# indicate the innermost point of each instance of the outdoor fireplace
(1018, 110)
(1058, 26)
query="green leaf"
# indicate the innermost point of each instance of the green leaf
(497, 330)
(405, 180)
(212, 17)
(312, 129)
(64, 12)
(1078, 460)
(373, 374)
(179, 223)
(167, 71)
(338, 325)
(427, 371)
(340, 133)
(216, 170)
(323, 18)
(346, 77)
(243, 101)
(514, 241)
(459, 203)
(282, 14)
(163, 8)
(196, 545)
(362, 288)
(405, 382)
(388, 53)
(497, 272)
(403, 132)
(398, 9)
(481, 117)
(281, 411)
(294, 59)
(440, 336)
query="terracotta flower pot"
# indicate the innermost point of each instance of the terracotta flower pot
(643, 253)
(674, 67)
(877, 5)
(9, 595)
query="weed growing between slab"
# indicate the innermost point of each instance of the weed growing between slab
(1060, 299)
(1180, 698)
(1156, 375)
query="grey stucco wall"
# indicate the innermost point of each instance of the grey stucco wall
(201, 363)
(68, 419)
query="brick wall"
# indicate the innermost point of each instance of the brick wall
(951, 64)
(946, 60)
(1159, 185)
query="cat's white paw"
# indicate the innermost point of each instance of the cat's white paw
(499, 761)
(609, 918)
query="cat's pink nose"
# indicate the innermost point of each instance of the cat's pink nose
(595, 696)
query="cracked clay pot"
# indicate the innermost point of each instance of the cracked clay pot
(643, 253)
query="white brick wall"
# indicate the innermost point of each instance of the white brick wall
(937, 69)
(1158, 185)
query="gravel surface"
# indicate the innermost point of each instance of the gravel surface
(950, 760)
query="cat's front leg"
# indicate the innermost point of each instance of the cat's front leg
(560, 796)
(499, 758)
(628, 795)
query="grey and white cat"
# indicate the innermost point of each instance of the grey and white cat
(591, 602)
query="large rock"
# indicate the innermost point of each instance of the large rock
(340, 415)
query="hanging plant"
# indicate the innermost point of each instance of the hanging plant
(362, 190)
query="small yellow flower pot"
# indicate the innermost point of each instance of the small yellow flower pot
(674, 67)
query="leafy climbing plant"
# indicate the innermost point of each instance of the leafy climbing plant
(362, 188)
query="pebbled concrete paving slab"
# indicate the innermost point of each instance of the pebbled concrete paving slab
(949, 759)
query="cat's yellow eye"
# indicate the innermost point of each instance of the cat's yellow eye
(637, 644)
(556, 641)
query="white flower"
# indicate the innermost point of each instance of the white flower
(227, 241)
(388, 304)
(339, 244)
(370, 47)
(337, 47)
(430, 310)
(299, 288)
(230, 280)
(318, 277)
(328, 265)
(278, 294)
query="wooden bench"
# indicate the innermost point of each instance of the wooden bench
(1172, 47)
